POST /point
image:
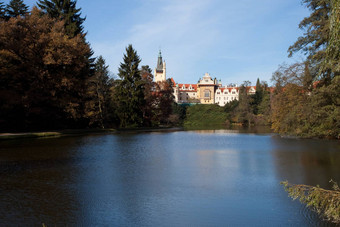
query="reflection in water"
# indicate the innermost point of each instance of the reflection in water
(312, 159)
(34, 177)
(187, 178)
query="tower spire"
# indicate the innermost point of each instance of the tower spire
(160, 61)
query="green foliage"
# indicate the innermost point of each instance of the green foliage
(204, 115)
(332, 58)
(315, 39)
(2, 11)
(64, 10)
(178, 113)
(99, 107)
(16, 8)
(244, 111)
(230, 106)
(250, 109)
(324, 118)
(325, 202)
(129, 90)
(299, 106)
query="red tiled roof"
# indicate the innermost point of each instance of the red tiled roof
(229, 89)
(173, 81)
(187, 86)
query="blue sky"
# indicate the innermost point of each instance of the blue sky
(232, 40)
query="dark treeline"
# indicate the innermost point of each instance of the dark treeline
(49, 79)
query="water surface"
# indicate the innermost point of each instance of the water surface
(184, 178)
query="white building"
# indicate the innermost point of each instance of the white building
(223, 95)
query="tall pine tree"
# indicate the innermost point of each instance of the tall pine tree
(98, 95)
(16, 8)
(67, 11)
(130, 90)
(2, 11)
(314, 41)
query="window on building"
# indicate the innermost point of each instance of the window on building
(207, 94)
(233, 92)
(218, 93)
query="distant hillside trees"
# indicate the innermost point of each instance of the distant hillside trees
(250, 109)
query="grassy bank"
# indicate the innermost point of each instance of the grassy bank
(205, 115)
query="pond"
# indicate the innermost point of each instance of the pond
(181, 178)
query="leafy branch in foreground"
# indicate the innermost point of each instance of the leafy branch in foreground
(325, 202)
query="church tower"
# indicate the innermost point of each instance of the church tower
(160, 70)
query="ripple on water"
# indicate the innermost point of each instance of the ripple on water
(312, 217)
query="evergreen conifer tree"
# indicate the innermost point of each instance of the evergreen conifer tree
(130, 90)
(258, 86)
(16, 8)
(2, 11)
(315, 40)
(65, 10)
(98, 94)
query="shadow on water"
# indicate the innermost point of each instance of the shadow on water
(312, 159)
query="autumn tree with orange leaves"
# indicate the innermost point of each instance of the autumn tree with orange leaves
(42, 74)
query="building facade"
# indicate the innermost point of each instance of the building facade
(206, 91)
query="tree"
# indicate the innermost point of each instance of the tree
(42, 74)
(165, 100)
(149, 93)
(130, 90)
(316, 37)
(289, 104)
(16, 8)
(332, 58)
(98, 95)
(2, 11)
(243, 111)
(257, 99)
(263, 106)
(325, 202)
(64, 10)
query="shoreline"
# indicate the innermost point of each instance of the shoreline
(77, 132)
